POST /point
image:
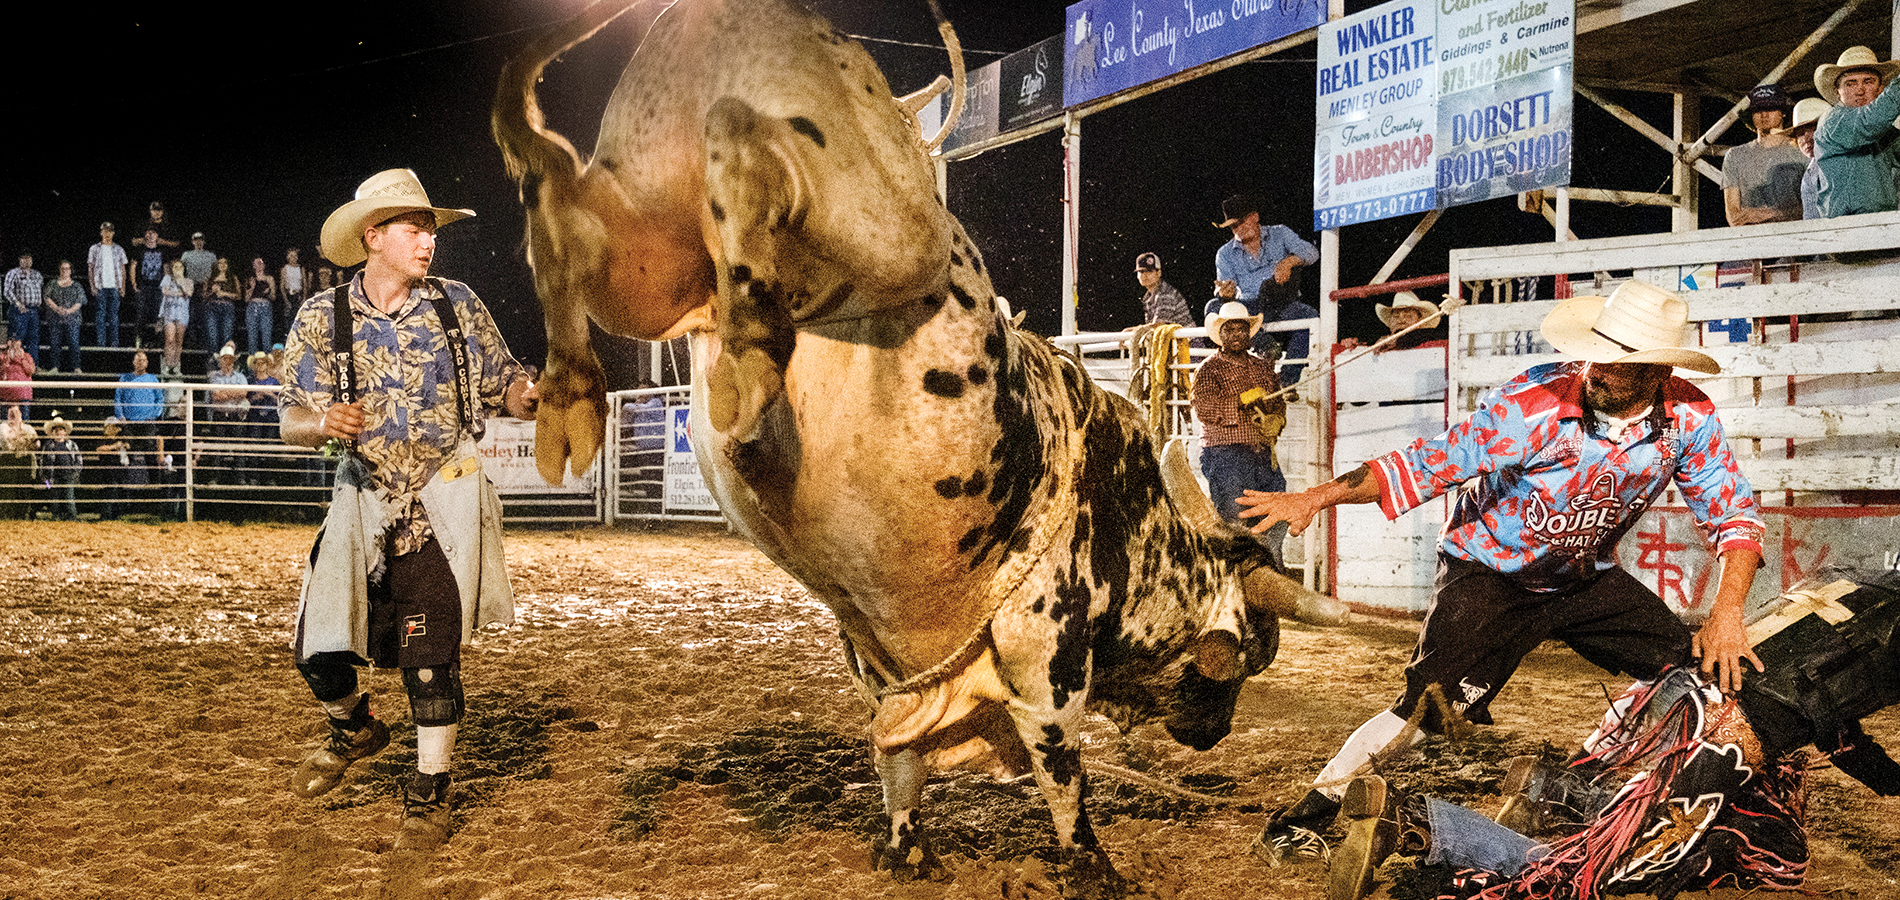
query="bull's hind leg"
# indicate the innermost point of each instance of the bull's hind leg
(902, 851)
(1054, 739)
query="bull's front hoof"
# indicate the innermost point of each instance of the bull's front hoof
(914, 862)
(1088, 875)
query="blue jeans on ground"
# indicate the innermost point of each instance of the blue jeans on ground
(257, 326)
(105, 317)
(26, 327)
(220, 320)
(63, 334)
(1463, 839)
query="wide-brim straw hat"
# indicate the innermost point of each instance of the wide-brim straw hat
(1852, 58)
(1406, 300)
(1233, 309)
(1808, 112)
(383, 196)
(1637, 323)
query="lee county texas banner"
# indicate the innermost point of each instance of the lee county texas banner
(1114, 45)
(1427, 104)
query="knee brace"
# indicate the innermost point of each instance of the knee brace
(330, 676)
(435, 695)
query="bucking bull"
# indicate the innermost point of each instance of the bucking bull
(993, 531)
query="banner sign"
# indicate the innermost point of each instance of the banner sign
(1377, 115)
(1504, 97)
(978, 120)
(1425, 104)
(1030, 89)
(685, 489)
(1114, 45)
(507, 450)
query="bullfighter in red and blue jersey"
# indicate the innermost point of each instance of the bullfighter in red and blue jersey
(1551, 470)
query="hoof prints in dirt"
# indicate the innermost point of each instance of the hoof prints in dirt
(788, 776)
(502, 735)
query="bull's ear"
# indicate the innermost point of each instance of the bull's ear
(1217, 655)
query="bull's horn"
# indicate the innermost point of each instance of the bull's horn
(1290, 599)
(1177, 477)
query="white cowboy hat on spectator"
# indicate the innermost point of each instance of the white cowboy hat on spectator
(1808, 112)
(1852, 58)
(229, 349)
(1233, 309)
(383, 196)
(1637, 323)
(1406, 300)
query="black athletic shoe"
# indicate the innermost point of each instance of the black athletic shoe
(1295, 834)
(357, 737)
(425, 812)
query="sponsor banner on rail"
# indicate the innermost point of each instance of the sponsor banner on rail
(507, 449)
(978, 121)
(1504, 76)
(1377, 114)
(685, 489)
(1115, 45)
(1012, 93)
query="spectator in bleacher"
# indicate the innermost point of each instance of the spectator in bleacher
(221, 299)
(1761, 180)
(260, 297)
(114, 456)
(229, 402)
(1255, 256)
(158, 222)
(64, 298)
(263, 415)
(293, 284)
(1161, 302)
(148, 272)
(16, 366)
(23, 305)
(1855, 142)
(199, 264)
(138, 402)
(174, 314)
(109, 274)
(59, 465)
(1807, 114)
(18, 440)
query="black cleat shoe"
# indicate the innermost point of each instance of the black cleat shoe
(425, 812)
(1293, 834)
(360, 736)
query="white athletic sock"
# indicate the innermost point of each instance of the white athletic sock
(1369, 739)
(341, 709)
(434, 743)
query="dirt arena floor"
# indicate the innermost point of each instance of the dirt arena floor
(668, 718)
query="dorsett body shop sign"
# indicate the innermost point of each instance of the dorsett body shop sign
(1436, 103)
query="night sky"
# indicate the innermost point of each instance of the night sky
(253, 130)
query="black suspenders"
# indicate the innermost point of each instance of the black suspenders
(343, 338)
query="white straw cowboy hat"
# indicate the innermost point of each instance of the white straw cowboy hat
(1808, 112)
(1637, 323)
(1406, 300)
(1233, 309)
(383, 196)
(1852, 58)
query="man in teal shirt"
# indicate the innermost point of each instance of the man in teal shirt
(1855, 143)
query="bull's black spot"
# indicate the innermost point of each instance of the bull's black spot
(932, 301)
(870, 90)
(1063, 762)
(943, 384)
(610, 165)
(741, 273)
(807, 128)
(968, 542)
(719, 212)
(994, 345)
(963, 296)
(977, 374)
(975, 484)
(1038, 606)
(949, 488)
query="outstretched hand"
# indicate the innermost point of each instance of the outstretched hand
(1297, 510)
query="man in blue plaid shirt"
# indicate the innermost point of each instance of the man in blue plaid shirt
(23, 305)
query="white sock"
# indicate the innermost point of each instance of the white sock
(341, 709)
(434, 743)
(1369, 739)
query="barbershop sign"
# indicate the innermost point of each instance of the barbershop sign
(1426, 104)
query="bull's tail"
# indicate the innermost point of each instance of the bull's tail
(529, 150)
(955, 48)
(565, 236)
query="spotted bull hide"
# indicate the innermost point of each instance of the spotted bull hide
(993, 530)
